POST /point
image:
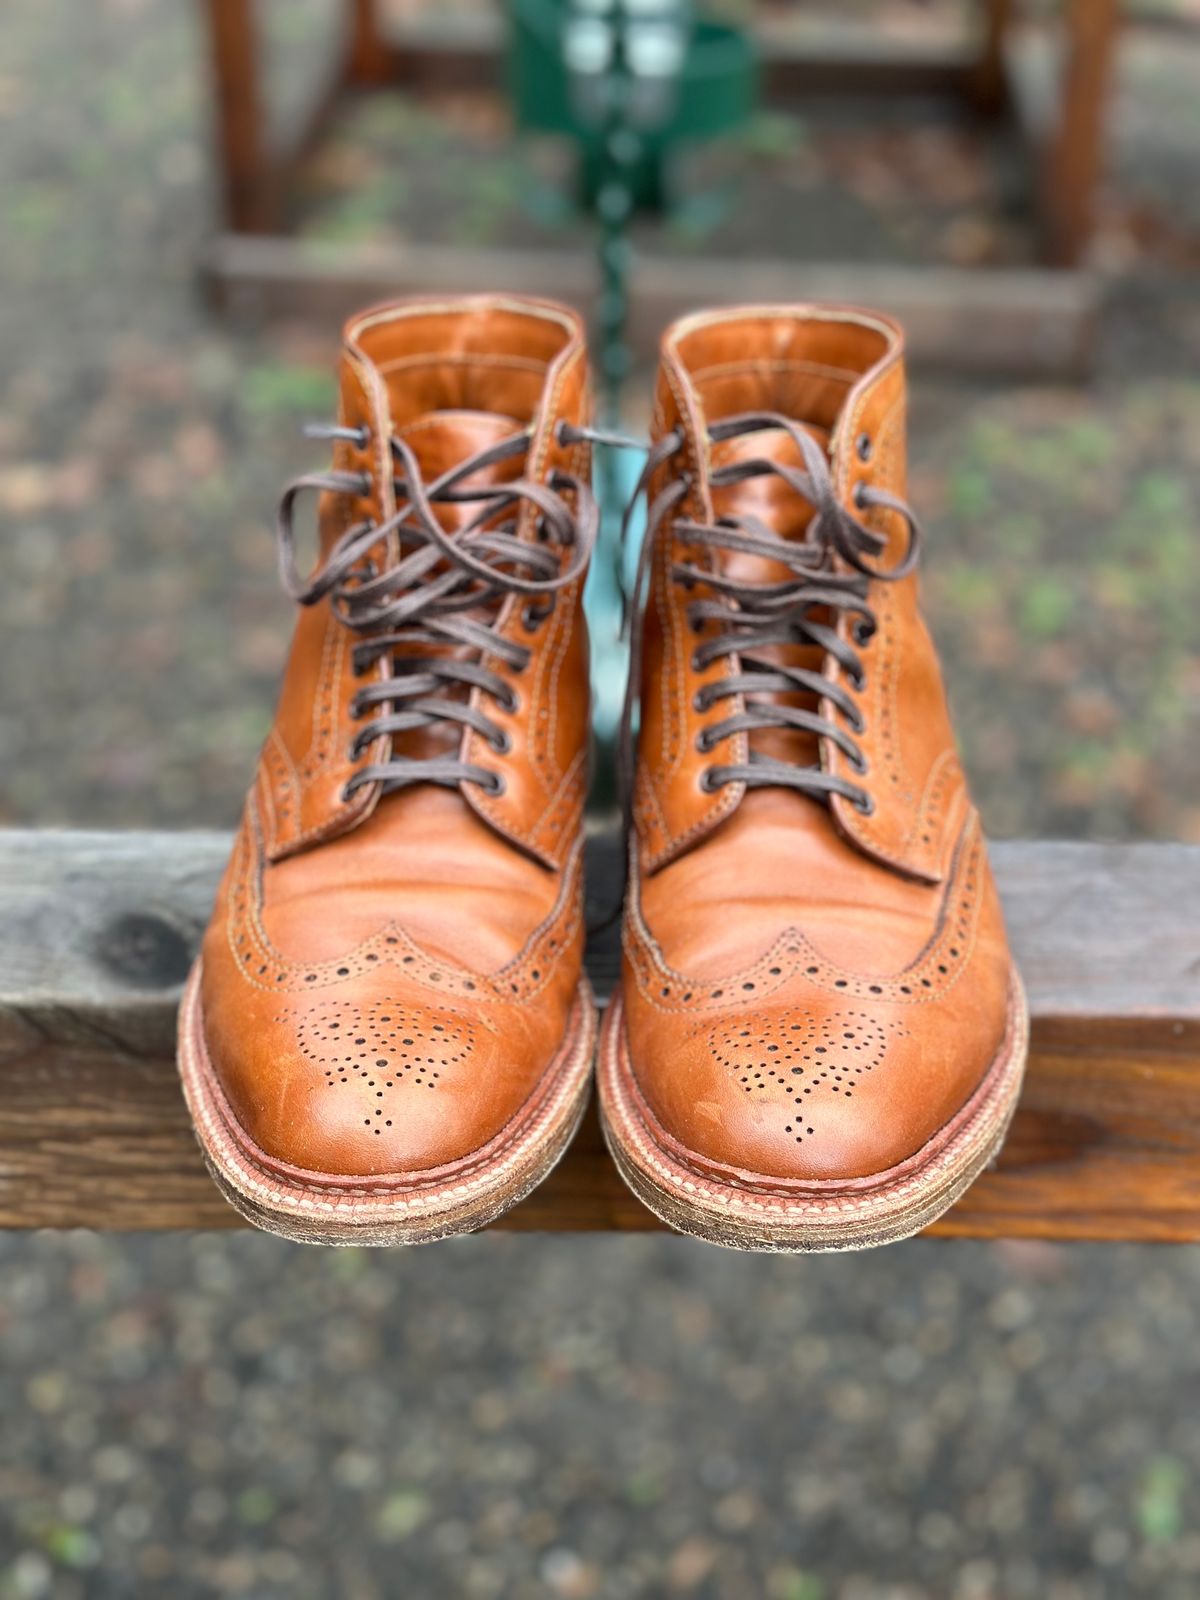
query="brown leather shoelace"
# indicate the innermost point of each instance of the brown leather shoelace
(432, 606)
(830, 571)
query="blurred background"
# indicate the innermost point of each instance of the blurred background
(513, 1416)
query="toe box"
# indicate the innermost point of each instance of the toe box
(811, 1091)
(371, 1079)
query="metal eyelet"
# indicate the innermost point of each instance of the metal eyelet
(706, 781)
(496, 786)
(703, 742)
(859, 495)
(502, 743)
(865, 805)
(859, 764)
(511, 701)
(862, 446)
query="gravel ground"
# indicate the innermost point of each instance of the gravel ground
(516, 1417)
(206, 1416)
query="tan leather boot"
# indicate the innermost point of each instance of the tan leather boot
(388, 1034)
(820, 1035)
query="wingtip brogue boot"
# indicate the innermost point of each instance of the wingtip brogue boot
(388, 1035)
(820, 1035)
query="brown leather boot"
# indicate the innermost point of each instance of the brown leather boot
(388, 1035)
(820, 1035)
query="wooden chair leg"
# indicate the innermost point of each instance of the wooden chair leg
(1074, 159)
(989, 82)
(371, 59)
(248, 202)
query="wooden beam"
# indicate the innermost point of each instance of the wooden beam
(1019, 323)
(868, 65)
(372, 59)
(989, 79)
(435, 51)
(1060, 101)
(249, 198)
(1075, 156)
(97, 932)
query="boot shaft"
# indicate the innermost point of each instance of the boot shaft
(879, 730)
(437, 383)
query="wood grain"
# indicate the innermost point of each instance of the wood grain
(97, 931)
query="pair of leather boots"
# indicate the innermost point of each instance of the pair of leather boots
(819, 1034)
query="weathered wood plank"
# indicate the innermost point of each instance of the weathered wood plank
(435, 52)
(1018, 321)
(97, 930)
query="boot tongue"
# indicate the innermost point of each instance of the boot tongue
(769, 499)
(443, 440)
(776, 504)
